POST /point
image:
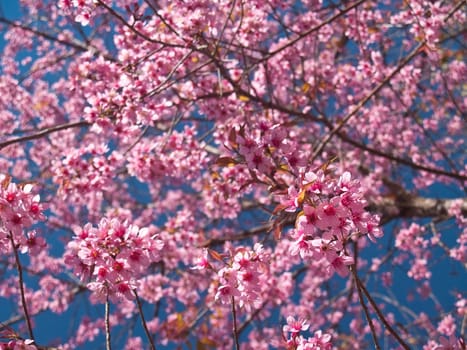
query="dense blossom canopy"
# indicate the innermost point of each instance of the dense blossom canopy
(248, 174)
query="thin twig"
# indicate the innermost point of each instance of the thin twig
(138, 139)
(21, 286)
(167, 24)
(143, 321)
(455, 9)
(161, 86)
(107, 324)
(123, 21)
(255, 231)
(132, 28)
(380, 315)
(77, 46)
(229, 16)
(365, 308)
(463, 326)
(400, 160)
(234, 320)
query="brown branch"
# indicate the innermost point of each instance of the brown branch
(21, 286)
(380, 315)
(408, 205)
(455, 9)
(43, 132)
(400, 160)
(107, 323)
(44, 35)
(399, 205)
(234, 327)
(75, 45)
(143, 321)
(365, 308)
(244, 235)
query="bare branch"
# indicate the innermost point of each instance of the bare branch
(107, 324)
(234, 320)
(380, 315)
(21, 286)
(43, 132)
(365, 308)
(407, 205)
(143, 321)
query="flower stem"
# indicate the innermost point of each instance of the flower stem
(234, 318)
(143, 321)
(107, 324)
(21, 286)
(365, 308)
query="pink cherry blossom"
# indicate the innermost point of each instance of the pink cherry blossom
(189, 173)
(295, 326)
(114, 265)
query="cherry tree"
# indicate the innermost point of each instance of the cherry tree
(224, 174)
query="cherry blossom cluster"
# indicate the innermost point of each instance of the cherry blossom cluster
(18, 344)
(267, 147)
(20, 208)
(82, 9)
(411, 240)
(446, 343)
(426, 19)
(330, 213)
(458, 252)
(296, 341)
(244, 278)
(179, 155)
(85, 170)
(111, 257)
(222, 190)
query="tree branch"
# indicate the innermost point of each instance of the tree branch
(143, 321)
(21, 286)
(43, 132)
(107, 324)
(380, 315)
(365, 308)
(234, 320)
(75, 45)
(407, 205)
